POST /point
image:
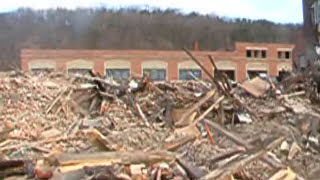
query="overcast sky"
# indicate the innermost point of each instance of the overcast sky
(284, 11)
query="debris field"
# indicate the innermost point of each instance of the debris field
(58, 126)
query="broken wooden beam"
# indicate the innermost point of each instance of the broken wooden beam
(99, 140)
(196, 106)
(240, 164)
(142, 115)
(235, 138)
(203, 115)
(300, 93)
(240, 141)
(284, 174)
(226, 154)
(70, 162)
(192, 171)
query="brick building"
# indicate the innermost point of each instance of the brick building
(246, 60)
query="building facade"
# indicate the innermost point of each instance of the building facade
(309, 40)
(247, 60)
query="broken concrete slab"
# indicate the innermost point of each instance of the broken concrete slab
(256, 87)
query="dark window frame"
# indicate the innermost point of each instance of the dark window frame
(82, 71)
(264, 54)
(287, 54)
(256, 73)
(227, 72)
(280, 55)
(185, 76)
(152, 76)
(110, 73)
(249, 53)
(41, 70)
(256, 53)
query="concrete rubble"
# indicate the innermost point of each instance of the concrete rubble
(55, 126)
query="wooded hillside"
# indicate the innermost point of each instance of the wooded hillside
(129, 29)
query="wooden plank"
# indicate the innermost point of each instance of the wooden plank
(69, 162)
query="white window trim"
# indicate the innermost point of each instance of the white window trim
(42, 64)
(79, 64)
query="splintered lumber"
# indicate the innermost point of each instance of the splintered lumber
(55, 100)
(12, 167)
(192, 131)
(93, 103)
(240, 141)
(176, 115)
(240, 164)
(235, 138)
(100, 140)
(270, 160)
(143, 117)
(225, 155)
(136, 107)
(284, 174)
(203, 115)
(196, 106)
(155, 88)
(69, 162)
(300, 93)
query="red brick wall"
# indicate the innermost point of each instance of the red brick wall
(173, 58)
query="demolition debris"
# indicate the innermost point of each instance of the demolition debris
(55, 126)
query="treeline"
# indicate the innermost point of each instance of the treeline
(129, 29)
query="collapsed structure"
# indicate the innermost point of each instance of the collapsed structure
(246, 61)
(62, 126)
(73, 126)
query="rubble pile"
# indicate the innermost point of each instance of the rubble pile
(55, 126)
